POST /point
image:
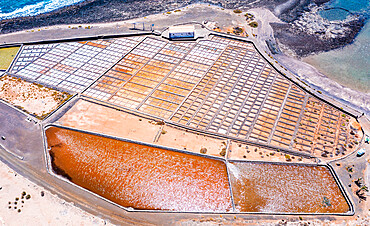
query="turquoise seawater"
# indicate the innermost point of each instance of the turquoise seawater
(17, 8)
(338, 9)
(350, 65)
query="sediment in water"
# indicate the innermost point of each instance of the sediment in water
(267, 187)
(140, 176)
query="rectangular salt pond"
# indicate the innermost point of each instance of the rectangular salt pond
(285, 188)
(148, 178)
(140, 176)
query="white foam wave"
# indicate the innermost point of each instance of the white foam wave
(39, 8)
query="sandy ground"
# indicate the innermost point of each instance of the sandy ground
(32, 98)
(180, 139)
(97, 118)
(240, 151)
(37, 210)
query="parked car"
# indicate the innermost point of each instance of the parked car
(361, 152)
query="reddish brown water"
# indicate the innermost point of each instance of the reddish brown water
(262, 187)
(139, 176)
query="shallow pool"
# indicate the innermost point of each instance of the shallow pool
(140, 176)
(269, 187)
(148, 178)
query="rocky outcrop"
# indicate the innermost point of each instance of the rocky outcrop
(311, 33)
(312, 23)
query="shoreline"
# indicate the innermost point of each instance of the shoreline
(104, 11)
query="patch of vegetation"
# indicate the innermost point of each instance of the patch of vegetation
(326, 202)
(203, 150)
(253, 24)
(159, 123)
(249, 16)
(238, 30)
(349, 169)
(223, 152)
(6, 56)
(288, 158)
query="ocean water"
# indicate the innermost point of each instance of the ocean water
(356, 7)
(19, 8)
(349, 65)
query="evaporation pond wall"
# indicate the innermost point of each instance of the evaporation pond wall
(266, 187)
(139, 176)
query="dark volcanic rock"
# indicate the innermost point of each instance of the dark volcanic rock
(304, 44)
(100, 11)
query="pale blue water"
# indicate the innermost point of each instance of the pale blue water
(354, 6)
(17, 8)
(350, 65)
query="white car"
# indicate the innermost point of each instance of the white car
(361, 152)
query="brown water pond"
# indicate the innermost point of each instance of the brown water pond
(266, 187)
(144, 177)
(140, 176)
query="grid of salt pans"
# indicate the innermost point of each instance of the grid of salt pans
(323, 128)
(73, 66)
(177, 84)
(156, 76)
(242, 96)
(219, 85)
(28, 54)
(117, 86)
(230, 91)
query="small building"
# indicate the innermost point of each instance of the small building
(182, 32)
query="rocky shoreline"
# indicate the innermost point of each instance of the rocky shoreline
(297, 34)
(303, 43)
(310, 33)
